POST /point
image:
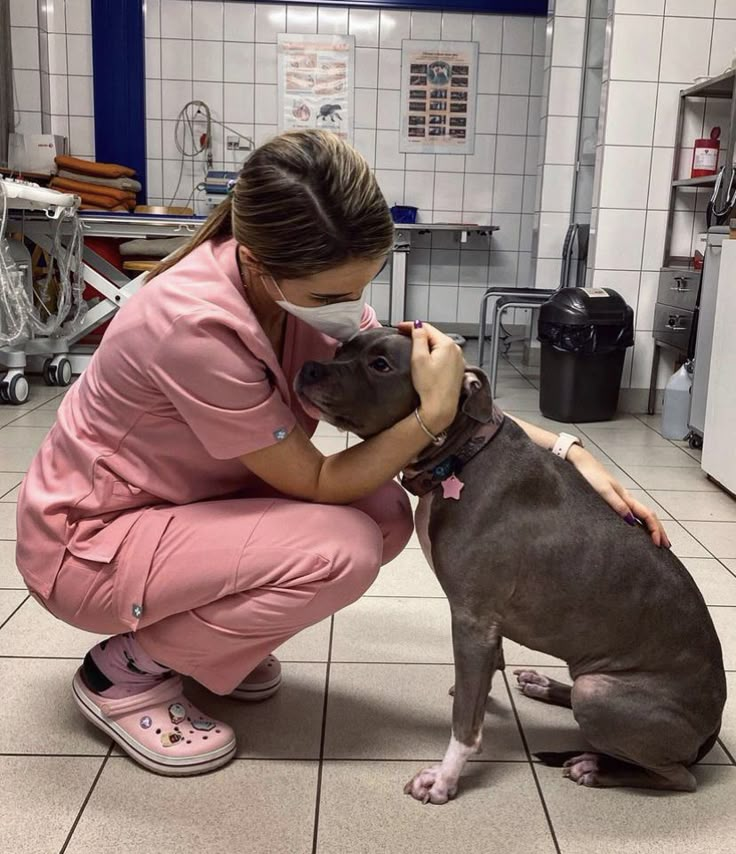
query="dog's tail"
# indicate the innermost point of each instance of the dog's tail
(557, 760)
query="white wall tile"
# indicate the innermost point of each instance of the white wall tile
(507, 194)
(152, 18)
(24, 46)
(263, 133)
(456, 27)
(420, 162)
(239, 103)
(534, 116)
(540, 37)
(55, 16)
(518, 34)
(513, 111)
(574, 8)
(59, 125)
(269, 22)
(79, 54)
(207, 20)
(562, 139)
(332, 21)
(725, 8)
(448, 191)
(239, 62)
(388, 155)
(174, 94)
(266, 102)
(28, 90)
(418, 190)
(482, 160)
(153, 58)
(478, 192)
(564, 91)
(620, 239)
(486, 117)
(568, 42)
(468, 301)
(81, 136)
(648, 288)
(665, 123)
(391, 182)
(510, 153)
(686, 8)
(366, 67)
(266, 63)
(57, 53)
(23, 13)
(59, 93)
(417, 299)
(723, 46)
(624, 282)
(489, 73)
(654, 237)
(635, 51)
(389, 109)
(240, 22)
(625, 178)
(442, 303)
(176, 19)
(426, 25)
(176, 59)
(640, 7)
(503, 268)
(389, 69)
(365, 142)
(365, 108)
(364, 25)
(557, 188)
(660, 179)
(153, 104)
(508, 238)
(395, 25)
(449, 163)
(630, 115)
(487, 31)
(684, 49)
(536, 84)
(301, 19)
(515, 75)
(531, 159)
(153, 142)
(552, 230)
(81, 96)
(548, 272)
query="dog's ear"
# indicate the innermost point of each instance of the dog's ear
(476, 399)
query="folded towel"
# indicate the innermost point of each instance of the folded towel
(129, 184)
(151, 247)
(80, 187)
(89, 167)
(106, 202)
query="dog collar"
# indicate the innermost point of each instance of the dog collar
(445, 473)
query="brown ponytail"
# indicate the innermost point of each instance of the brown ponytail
(304, 202)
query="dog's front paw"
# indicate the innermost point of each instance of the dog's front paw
(430, 787)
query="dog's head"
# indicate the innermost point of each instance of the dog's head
(367, 387)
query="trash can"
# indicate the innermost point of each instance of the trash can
(584, 334)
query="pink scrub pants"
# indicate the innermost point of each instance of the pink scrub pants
(231, 580)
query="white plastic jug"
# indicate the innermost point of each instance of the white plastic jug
(676, 408)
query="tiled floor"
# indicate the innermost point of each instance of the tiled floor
(364, 705)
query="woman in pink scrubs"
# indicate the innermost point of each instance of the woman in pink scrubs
(178, 505)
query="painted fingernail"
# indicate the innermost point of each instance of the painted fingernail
(629, 517)
(418, 324)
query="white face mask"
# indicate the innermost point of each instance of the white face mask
(339, 320)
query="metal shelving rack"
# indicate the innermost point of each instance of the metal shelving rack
(722, 87)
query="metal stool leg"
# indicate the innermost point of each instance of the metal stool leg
(482, 327)
(496, 318)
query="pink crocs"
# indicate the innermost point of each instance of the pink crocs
(159, 728)
(261, 683)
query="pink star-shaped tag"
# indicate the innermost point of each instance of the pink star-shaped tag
(452, 487)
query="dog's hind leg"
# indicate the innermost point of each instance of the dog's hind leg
(476, 648)
(541, 687)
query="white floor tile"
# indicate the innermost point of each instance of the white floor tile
(718, 537)
(683, 543)
(698, 506)
(716, 583)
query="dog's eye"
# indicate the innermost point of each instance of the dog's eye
(380, 365)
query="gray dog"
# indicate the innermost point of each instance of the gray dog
(524, 548)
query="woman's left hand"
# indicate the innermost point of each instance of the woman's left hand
(606, 485)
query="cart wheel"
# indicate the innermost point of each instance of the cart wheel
(18, 390)
(4, 398)
(695, 441)
(47, 377)
(63, 372)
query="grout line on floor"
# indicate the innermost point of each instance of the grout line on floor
(323, 734)
(86, 799)
(10, 616)
(531, 762)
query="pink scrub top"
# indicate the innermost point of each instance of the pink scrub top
(184, 382)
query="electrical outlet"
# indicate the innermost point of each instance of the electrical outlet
(233, 143)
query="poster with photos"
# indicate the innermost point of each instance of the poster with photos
(316, 79)
(439, 82)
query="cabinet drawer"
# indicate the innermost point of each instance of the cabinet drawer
(672, 325)
(678, 288)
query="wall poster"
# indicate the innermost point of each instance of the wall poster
(316, 79)
(439, 82)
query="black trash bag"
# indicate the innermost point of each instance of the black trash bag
(572, 321)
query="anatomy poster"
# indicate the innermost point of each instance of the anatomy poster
(439, 81)
(316, 82)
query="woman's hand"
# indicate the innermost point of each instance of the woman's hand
(606, 485)
(437, 368)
